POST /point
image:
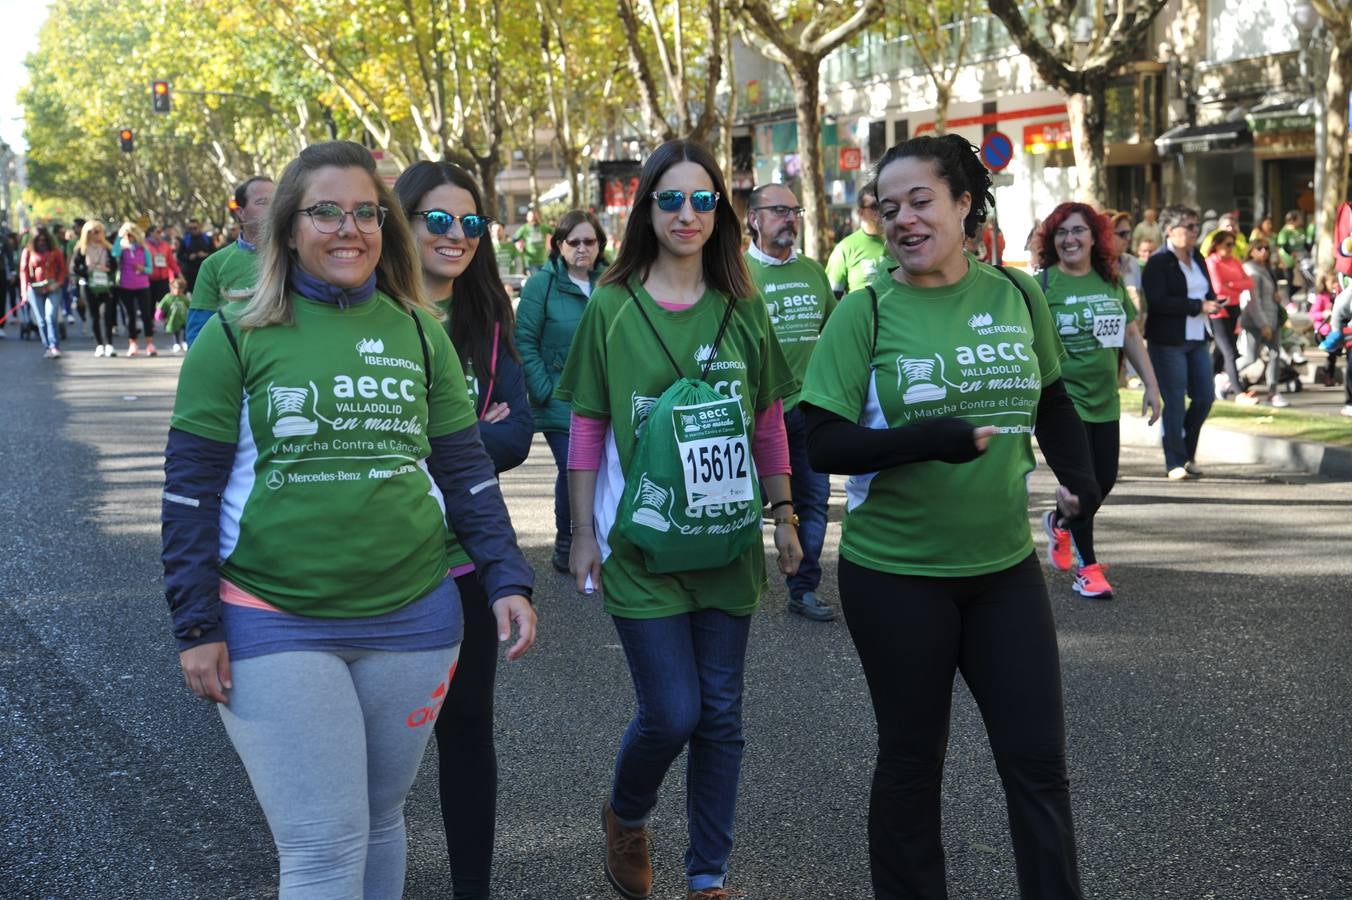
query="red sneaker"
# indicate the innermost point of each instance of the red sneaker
(1090, 582)
(1058, 543)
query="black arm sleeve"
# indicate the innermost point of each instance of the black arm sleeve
(475, 508)
(1155, 278)
(1064, 444)
(196, 471)
(842, 447)
(508, 441)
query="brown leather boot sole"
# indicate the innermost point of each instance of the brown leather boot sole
(627, 852)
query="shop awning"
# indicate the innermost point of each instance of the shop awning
(1227, 135)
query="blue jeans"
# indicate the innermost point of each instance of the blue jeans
(196, 319)
(1182, 369)
(687, 673)
(558, 446)
(46, 312)
(811, 495)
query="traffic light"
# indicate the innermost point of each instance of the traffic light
(159, 95)
(128, 140)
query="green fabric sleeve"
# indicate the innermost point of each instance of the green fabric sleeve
(210, 387)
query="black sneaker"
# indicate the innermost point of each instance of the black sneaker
(809, 607)
(559, 560)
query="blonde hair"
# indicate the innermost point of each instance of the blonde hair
(130, 232)
(89, 228)
(398, 271)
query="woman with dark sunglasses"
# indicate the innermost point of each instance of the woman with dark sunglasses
(445, 208)
(551, 305)
(677, 304)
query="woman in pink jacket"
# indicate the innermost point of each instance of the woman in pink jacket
(134, 265)
(1230, 282)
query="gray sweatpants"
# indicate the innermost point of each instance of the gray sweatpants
(332, 742)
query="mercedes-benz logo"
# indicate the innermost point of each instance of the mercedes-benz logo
(275, 479)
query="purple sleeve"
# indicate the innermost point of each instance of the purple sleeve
(586, 436)
(770, 447)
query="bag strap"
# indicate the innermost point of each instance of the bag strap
(427, 358)
(544, 307)
(1027, 302)
(230, 336)
(1042, 278)
(492, 369)
(718, 341)
(873, 296)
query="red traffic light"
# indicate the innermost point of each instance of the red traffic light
(127, 139)
(161, 87)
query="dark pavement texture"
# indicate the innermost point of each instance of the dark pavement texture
(1210, 730)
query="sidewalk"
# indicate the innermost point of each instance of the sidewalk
(1221, 444)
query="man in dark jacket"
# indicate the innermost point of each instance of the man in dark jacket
(1178, 294)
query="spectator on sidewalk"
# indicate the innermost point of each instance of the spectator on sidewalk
(1147, 230)
(858, 256)
(193, 250)
(532, 241)
(1261, 318)
(1230, 282)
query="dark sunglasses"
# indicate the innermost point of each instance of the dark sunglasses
(575, 243)
(439, 222)
(700, 201)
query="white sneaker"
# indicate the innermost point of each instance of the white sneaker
(108, 350)
(1346, 410)
(1178, 473)
(98, 351)
(1279, 401)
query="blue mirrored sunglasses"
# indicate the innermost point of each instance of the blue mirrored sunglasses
(439, 222)
(700, 201)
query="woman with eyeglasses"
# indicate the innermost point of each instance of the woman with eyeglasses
(678, 303)
(551, 306)
(443, 204)
(1096, 321)
(1178, 294)
(1128, 266)
(321, 438)
(1231, 283)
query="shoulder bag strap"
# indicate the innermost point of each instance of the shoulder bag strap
(662, 343)
(873, 296)
(1022, 293)
(427, 357)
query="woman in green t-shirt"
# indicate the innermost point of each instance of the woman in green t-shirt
(1096, 322)
(926, 388)
(321, 438)
(678, 299)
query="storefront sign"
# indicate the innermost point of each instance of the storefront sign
(851, 159)
(1046, 137)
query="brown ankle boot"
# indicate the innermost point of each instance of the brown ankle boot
(713, 893)
(628, 868)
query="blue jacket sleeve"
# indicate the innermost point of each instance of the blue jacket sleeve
(476, 511)
(196, 471)
(508, 441)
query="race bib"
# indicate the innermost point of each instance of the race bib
(1110, 328)
(715, 454)
(161, 261)
(98, 279)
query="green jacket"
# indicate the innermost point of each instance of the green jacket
(546, 318)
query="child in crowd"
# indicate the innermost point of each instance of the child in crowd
(173, 311)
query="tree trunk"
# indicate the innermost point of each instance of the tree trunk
(1086, 133)
(943, 96)
(806, 78)
(1334, 181)
(488, 179)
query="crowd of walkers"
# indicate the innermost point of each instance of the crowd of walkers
(360, 378)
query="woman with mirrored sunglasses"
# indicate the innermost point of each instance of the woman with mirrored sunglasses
(552, 301)
(445, 207)
(677, 303)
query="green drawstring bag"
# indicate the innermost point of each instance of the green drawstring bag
(691, 497)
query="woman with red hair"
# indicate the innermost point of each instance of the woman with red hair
(1096, 321)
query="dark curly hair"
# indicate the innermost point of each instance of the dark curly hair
(957, 163)
(1102, 258)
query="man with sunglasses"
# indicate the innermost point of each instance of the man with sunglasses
(799, 296)
(230, 273)
(856, 258)
(532, 239)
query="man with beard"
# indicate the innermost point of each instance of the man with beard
(798, 295)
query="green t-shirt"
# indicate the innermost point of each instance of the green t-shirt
(1091, 318)
(855, 260)
(226, 276)
(621, 387)
(966, 350)
(508, 258)
(799, 299)
(330, 510)
(536, 239)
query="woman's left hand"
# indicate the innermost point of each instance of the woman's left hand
(1152, 401)
(1067, 505)
(790, 551)
(497, 412)
(510, 609)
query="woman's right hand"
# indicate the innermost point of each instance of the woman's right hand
(584, 561)
(206, 669)
(1210, 306)
(982, 436)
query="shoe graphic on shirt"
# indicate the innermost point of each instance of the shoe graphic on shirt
(918, 377)
(288, 405)
(652, 497)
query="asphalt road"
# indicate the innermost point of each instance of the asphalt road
(1208, 706)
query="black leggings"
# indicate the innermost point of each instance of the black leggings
(1223, 332)
(103, 314)
(913, 634)
(467, 758)
(1105, 441)
(134, 301)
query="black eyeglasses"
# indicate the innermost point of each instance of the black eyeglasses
(577, 243)
(439, 222)
(700, 201)
(782, 212)
(1077, 231)
(328, 217)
